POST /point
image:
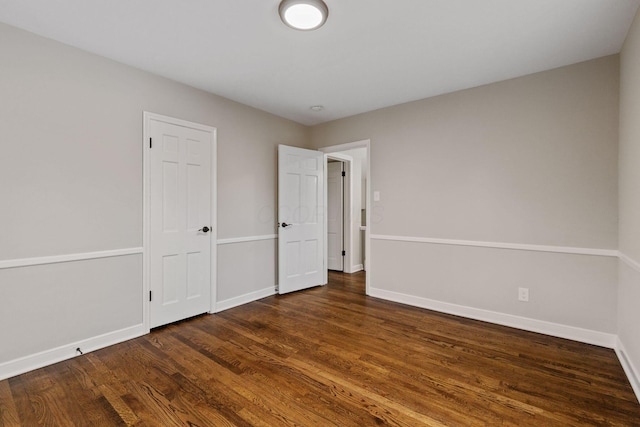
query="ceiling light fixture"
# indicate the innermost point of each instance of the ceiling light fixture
(316, 108)
(303, 14)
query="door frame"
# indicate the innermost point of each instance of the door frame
(146, 212)
(365, 143)
(347, 211)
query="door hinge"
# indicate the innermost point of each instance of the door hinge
(344, 253)
(344, 173)
(149, 295)
(150, 142)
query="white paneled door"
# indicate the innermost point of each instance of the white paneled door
(335, 216)
(300, 219)
(180, 218)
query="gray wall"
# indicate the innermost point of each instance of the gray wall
(629, 295)
(530, 161)
(71, 174)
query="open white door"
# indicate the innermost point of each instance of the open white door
(300, 219)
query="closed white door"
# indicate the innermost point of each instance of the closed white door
(335, 216)
(180, 219)
(300, 218)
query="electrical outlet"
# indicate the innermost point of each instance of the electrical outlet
(523, 294)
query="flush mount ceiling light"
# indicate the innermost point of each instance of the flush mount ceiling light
(303, 14)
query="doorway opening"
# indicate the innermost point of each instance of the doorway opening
(339, 213)
(354, 159)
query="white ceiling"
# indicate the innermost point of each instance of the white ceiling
(370, 54)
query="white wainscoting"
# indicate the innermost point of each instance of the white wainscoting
(259, 278)
(500, 245)
(64, 352)
(47, 357)
(559, 330)
(54, 259)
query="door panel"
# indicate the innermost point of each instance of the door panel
(180, 180)
(300, 206)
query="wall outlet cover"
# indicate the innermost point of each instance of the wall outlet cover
(523, 294)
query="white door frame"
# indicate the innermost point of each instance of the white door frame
(366, 143)
(347, 211)
(146, 196)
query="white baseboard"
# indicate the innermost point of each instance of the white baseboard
(602, 339)
(353, 269)
(244, 299)
(48, 357)
(356, 268)
(629, 369)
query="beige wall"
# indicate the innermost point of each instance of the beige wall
(629, 295)
(71, 174)
(630, 144)
(531, 161)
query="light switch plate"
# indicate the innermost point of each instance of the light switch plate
(376, 196)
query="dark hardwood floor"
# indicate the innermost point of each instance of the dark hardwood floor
(328, 356)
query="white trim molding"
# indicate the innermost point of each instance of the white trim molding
(55, 259)
(598, 338)
(245, 299)
(246, 239)
(632, 372)
(356, 268)
(48, 357)
(630, 262)
(498, 245)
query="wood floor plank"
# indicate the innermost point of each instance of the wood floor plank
(329, 356)
(76, 387)
(20, 393)
(97, 380)
(222, 392)
(8, 411)
(268, 398)
(42, 400)
(275, 369)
